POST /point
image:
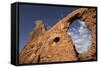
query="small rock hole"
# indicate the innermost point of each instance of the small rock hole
(56, 39)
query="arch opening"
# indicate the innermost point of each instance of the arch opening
(80, 35)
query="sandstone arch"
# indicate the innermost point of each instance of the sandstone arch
(44, 49)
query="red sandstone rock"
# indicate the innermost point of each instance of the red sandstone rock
(55, 45)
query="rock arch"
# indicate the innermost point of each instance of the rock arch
(46, 50)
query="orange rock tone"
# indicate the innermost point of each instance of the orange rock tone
(55, 44)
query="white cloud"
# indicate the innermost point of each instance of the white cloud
(83, 40)
(83, 23)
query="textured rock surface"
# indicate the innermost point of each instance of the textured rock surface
(89, 17)
(55, 44)
(34, 43)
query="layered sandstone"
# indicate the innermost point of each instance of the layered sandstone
(55, 44)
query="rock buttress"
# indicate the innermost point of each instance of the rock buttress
(28, 54)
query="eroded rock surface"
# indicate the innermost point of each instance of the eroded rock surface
(55, 44)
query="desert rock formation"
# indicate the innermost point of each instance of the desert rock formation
(55, 44)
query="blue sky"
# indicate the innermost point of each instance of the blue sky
(28, 14)
(80, 35)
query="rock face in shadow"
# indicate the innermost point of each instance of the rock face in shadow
(55, 44)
